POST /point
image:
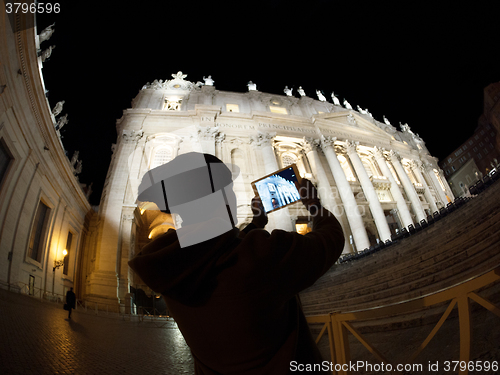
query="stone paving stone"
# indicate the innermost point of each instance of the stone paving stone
(38, 338)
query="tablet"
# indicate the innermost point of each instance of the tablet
(278, 190)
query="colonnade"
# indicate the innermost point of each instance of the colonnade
(410, 212)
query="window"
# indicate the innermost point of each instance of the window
(281, 110)
(172, 104)
(68, 249)
(5, 160)
(232, 108)
(35, 249)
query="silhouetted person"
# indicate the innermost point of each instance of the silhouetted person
(234, 295)
(70, 301)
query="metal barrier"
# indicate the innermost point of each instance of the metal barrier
(338, 325)
(140, 314)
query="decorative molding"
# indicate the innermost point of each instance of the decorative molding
(351, 146)
(132, 135)
(310, 144)
(262, 139)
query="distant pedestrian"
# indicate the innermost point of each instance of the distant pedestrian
(70, 301)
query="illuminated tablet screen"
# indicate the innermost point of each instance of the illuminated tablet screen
(278, 189)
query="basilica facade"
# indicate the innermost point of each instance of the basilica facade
(375, 178)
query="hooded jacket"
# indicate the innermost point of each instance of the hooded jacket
(234, 297)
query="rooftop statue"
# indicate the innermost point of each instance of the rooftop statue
(301, 91)
(405, 128)
(288, 91)
(336, 100)
(386, 120)
(74, 158)
(46, 33)
(321, 97)
(347, 105)
(181, 76)
(361, 110)
(63, 120)
(208, 81)
(46, 53)
(58, 108)
(251, 86)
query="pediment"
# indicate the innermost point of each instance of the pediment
(351, 119)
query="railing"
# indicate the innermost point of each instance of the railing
(338, 325)
(138, 313)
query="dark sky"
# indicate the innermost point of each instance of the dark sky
(425, 66)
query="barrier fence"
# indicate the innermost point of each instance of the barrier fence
(339, 325)
(137, 314)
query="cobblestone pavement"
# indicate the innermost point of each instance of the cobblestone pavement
(38, 338)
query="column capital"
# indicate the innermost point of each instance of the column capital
(208, 133)
(415, 164)
(351, 147)
(394, 155)
(327, 141)
(262, 139)
(378, 152)
(132, 135)
(310, 144)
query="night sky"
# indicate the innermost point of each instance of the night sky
(425, 66)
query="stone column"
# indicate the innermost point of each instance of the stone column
(437, 186)
(370, 193)
(417, 167)
(408, 186)
(395, 191)
(325, 192)
(263, 143)
(350, 206)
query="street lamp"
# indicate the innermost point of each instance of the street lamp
(59, 263)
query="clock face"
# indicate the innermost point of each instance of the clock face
(177, 86)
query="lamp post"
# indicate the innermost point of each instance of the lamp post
(57, 264)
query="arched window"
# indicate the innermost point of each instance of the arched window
(161, 156)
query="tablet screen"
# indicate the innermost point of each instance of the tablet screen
(278, 189)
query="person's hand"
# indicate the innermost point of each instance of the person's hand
(259, 214)
(308, 194)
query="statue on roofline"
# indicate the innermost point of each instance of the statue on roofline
(46, 33)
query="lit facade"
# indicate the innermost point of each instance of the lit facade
(43, 208)
(374, 178)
